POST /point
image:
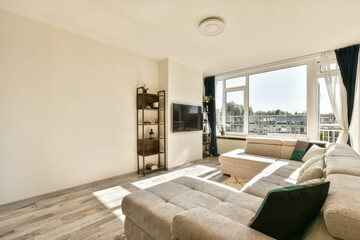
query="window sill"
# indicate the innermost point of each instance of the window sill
(244, 137)
(231, 137)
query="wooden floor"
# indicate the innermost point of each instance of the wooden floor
(91, 211)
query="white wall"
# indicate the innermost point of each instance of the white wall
(67, 108)
(184, 85)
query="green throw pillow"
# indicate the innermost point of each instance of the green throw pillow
(286, 212)
(297, 155)
(299, 150)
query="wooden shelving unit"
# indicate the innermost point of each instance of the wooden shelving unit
(206, 136)
(150, 146)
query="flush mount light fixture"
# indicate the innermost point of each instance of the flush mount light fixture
(211, 27)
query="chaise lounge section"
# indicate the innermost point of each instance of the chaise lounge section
(258, 154)
(193, 208)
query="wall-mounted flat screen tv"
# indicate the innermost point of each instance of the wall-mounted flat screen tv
(187, 118)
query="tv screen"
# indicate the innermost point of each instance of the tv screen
(187, 118)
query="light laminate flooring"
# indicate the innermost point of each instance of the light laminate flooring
(90, 211)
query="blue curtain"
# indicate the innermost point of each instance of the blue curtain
(209, 83)
(347, 59)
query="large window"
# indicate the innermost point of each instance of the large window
(288, 99)
(277, 102)
(274, 100)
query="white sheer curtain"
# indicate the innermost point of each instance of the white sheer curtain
(337, 93)
(355, 122)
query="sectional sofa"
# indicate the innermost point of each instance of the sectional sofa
(194, 208)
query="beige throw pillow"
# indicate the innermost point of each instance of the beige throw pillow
(312, 181)
(310, 162)
(313, 172)
(313, 151)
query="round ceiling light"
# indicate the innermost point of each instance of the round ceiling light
(211, 27)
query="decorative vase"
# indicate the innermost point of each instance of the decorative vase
(155, 104)
(151, 134)
(222, 133)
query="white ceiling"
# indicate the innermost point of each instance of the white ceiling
(256, 31)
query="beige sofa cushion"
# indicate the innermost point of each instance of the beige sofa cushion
(316, 170)
(245, 173)
(288, 146)
(343, 165)
(284, 168)
(261, 184)
(202, 224)
(313, 151)
(133, 232)
(262, 140)
(151, 212)
(238, 158)
(244, 165)
(342, 206)
(340, 150)
(317, 230)
(310, 162)
(154, 208)
(264, 147)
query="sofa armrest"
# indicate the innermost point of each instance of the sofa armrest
(202, 224)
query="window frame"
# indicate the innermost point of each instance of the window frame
(235, 89)
(312, 93)
(319, 75)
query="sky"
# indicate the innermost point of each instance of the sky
(283, 89)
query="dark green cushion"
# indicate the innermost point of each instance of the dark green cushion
(299, 150)
(297, 155)
(286, 212)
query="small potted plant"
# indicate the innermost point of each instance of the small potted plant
(221, 128)
(156, 104)
(206, 101)
(144, 87)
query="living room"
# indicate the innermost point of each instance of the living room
(96, 140)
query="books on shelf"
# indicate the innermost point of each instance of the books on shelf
(151, 166)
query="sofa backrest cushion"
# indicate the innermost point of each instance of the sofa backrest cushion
(299, 204)
(264, 147)
(343, 165)
(342, 207)
(287, 149)
(340, 150)
(313, 151)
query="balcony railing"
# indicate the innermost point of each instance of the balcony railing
(284, 125)
(329, 132)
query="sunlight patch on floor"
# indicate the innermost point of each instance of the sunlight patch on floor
(119, 214)
(111, 197)
(194, 171)
(212, 175)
